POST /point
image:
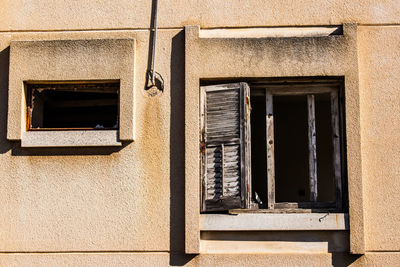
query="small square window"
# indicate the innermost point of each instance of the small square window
(90, 105)
(72, 113)
(65, 93)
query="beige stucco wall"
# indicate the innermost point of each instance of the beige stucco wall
(204, 260)
(125, 206)
(379, 72)
(102, 14)
(93, 199)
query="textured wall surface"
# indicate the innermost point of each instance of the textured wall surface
(126, 206)
(94, 199)
(379, 73)
(102, 14)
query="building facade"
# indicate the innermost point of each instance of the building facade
(240, 133)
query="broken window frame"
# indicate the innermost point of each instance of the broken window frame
(310, 92)
(85, 86)
(309, 89)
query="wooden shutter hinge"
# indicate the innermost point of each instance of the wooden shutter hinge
(202, 147)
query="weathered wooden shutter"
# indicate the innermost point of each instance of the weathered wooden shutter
(225, 146)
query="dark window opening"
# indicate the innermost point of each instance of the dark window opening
(258, 152)
(291, 149)
(292, 146)
(325, 170)
(73, 105)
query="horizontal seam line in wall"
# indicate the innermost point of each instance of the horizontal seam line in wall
(292, 26)
(382, 251)
(379, 25)
(92, 30)
(181, 28)
(85, 252)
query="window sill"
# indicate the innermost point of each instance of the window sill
(272, 32)
(274, 222)
(70, 138)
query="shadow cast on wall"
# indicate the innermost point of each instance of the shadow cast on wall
(344, 259)
(5, 145)
(65, 151)
(177, 153)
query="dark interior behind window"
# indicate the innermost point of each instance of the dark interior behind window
(73, 105)
(291, 149)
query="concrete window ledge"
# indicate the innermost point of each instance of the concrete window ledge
(70, 138)
(274, 222)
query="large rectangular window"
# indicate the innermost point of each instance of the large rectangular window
(288, 138)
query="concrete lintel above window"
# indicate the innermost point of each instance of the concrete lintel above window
(274, 222)
(70, 138)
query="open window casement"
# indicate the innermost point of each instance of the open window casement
(225, 146)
